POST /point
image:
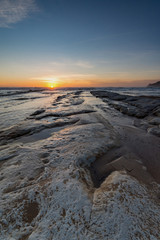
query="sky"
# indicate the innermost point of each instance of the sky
(79, 43)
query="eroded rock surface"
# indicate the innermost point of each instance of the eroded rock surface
(141, 107)
(47, 189)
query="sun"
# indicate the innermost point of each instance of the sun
(52, 83)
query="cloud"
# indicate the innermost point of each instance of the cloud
(71, 76)
(67, 63)
(13, 11)
(84, 64)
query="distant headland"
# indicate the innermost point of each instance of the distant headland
(156, 84)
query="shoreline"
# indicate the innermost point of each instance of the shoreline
(47, 161)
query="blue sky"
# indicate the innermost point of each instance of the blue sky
(87, 42)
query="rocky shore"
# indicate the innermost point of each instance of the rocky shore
(82, 168)
(144, 109)
(156, 84)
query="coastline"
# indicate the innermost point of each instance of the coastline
(48, 160)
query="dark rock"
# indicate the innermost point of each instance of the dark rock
(137, 106)
(155, 121)
(110, 95)
(154, 131)
(38, 112)
(156, 84)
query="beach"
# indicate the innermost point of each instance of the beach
(80, 164)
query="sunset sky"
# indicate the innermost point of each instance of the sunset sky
(79, 43)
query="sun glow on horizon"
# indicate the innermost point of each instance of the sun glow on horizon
(51, 86)
(50, 82)
(75, 80)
